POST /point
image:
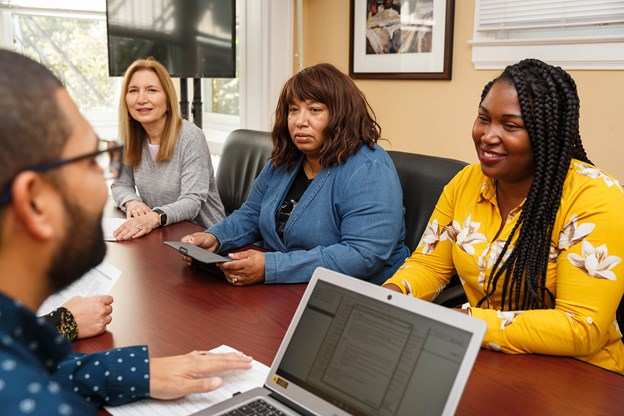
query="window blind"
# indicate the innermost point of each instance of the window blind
(496, 15)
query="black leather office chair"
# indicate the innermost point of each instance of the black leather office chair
(422, 178)
(244, 154)
(619, 314)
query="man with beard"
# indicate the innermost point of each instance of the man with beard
(52, 194)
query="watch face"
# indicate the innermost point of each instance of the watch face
(162, 217)
(67, 325)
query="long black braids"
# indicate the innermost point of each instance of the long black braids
(550, 108)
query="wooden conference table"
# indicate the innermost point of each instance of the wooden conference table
(175, 309)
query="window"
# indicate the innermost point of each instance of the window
(69, 37)
(575, 34)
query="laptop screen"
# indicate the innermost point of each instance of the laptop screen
(371, 357)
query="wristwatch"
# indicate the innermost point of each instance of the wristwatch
(163, 217)
(64, 322)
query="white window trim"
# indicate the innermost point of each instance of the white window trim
(567, 53)
(6, 30)
(266, 63)
(266, 59)
(216, 128)
(604, 52)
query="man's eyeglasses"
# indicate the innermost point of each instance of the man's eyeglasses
(109, 157)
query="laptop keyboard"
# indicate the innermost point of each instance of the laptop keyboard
(257, 407)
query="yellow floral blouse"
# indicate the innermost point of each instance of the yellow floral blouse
(585, 272)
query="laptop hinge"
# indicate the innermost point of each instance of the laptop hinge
(290, 404)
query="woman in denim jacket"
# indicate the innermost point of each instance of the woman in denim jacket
(329, 196)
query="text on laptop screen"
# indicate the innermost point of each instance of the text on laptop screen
(370, 357)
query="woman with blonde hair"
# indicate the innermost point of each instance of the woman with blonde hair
(167, 175)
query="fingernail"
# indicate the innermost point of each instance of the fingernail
(216, 382)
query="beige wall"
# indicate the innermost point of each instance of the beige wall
(435, 117)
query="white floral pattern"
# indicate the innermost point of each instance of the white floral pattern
(593, 172)
(497, 249)
(465, 236)
(507, 317)
(553, 255)
(494, 347)
(487, 259)
(571, 234)
(408, 287)
(595, 261)
(434, 233)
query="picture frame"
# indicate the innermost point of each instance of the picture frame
(401, 39)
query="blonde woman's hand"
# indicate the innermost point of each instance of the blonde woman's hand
(136, 208)
(137, 226)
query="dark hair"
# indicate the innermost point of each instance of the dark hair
(550, 108)
(351, 119)
(34, 128)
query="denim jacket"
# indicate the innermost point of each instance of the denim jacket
(350, 219)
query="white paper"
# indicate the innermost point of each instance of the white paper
(233, 382)
(97, 281)
(110, 224)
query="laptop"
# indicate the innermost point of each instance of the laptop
(355, 348)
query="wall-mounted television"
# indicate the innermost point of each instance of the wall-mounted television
(191, 38)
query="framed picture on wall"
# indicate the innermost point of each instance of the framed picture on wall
(401, 39)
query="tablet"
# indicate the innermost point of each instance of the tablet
(197, 253)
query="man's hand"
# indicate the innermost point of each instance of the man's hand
(91, 313)
(195, 372)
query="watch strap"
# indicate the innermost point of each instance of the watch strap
(162, 216)
(64, 322)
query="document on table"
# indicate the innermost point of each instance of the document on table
(237, 381)
(110, 224)
(97, 281)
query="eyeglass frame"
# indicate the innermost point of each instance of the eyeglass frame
(6, 195)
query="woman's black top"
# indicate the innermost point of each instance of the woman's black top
(297, 189)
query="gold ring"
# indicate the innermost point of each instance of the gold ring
(234, 279)
(137, 227)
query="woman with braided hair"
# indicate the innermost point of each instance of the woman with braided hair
(534, 231)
